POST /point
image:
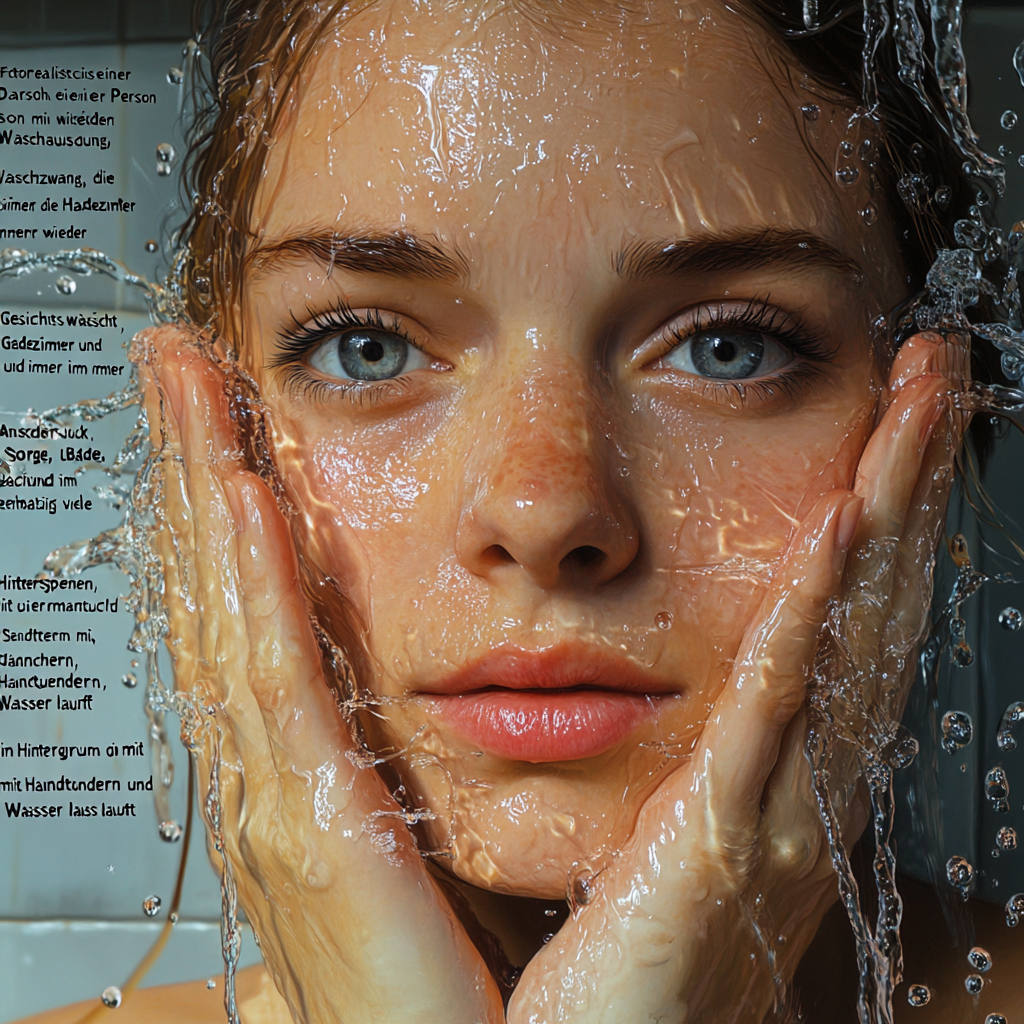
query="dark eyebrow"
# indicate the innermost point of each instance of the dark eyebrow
(734, 250)
(397, 254)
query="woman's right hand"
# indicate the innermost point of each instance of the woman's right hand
(349, 921)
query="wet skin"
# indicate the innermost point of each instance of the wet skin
(578, 551)
(555, 477)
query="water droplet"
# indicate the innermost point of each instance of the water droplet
(846, 176)
(581, 888)
(1006, 838)
(1020, 160)
(904, 753)
(111, 996)
(1004, 151)
(173, 917)
(130, 679)
(151, 906)
(869, 214)
(960, 873)
(913, 190)
(623, 470)
(919, 995)
(175, 76)
(811, 111)
(961, 655)
(66, 285)
(202, 288)
(974, 983)
(997, 789)
(1005, 739)
(1012, 365)
(163, 169)
(995, 1018)
(1014, 910)
(1008, 120)
(170, 831)
(846, 148)
(165, 152)
(663, 620)
(980, 959)
(151, 246)
(943, 196)
(1010, 618)
(211, 983)
(970, 234)
(957, 731)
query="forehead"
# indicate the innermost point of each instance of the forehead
(664, 118)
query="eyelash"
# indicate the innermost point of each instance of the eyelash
(301, 339)
(761, 317)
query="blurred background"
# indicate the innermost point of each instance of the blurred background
(71, 893)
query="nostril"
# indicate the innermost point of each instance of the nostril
(584, 559)
(496, 555)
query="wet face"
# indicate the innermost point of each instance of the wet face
(560, 328)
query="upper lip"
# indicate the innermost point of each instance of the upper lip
(563, 667)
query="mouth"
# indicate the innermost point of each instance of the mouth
(565, 703)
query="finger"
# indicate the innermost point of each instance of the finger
(769, 682)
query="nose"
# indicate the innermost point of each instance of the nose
(546, 494)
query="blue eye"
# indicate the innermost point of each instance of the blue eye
(367, 354)
(729, 354)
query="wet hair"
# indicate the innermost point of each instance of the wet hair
(254, 49)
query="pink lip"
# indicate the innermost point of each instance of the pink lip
(562, 704)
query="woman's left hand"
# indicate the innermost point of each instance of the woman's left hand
(705, 913)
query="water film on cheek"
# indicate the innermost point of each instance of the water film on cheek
(908, 728)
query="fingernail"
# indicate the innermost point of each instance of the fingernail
(848, 520)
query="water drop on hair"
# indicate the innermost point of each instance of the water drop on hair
(1006, 838)
(919, 995)
(869, 214)
(916, 151)
(811, 111)
(65, 285)
(995, 1018)
(1010, 618)
(943, 196)
(151, 906)
(170, 831)
(846, 148)
(980, 959)
(957, 731)
(1008, 120)
(846, 176)
(974, 983)
(111, 997)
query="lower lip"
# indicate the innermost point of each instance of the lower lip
(545, 726)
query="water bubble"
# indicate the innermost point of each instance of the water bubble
(916, 151)
(175, 76)
(980, 959)
(151, 906)
(960, 873)
(1014, 713)
(170, 831)
(974, 983)
(943, 196)
(995, 1018)
(957, 731)
(663, 620)
(997, 789)
(163, 169)
(811, 111)
(869, 214)
(1006, 838)
(111, 997)
(130, 679)
(165, 153)
(1014, 910)
(66, 285)
(846, 176)
(151, 246)
(211, 983)
(1010, 618)
(919, 995)
(1008, 120)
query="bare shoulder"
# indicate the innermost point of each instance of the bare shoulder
(188, 1003)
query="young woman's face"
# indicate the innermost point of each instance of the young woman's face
(562, 321)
